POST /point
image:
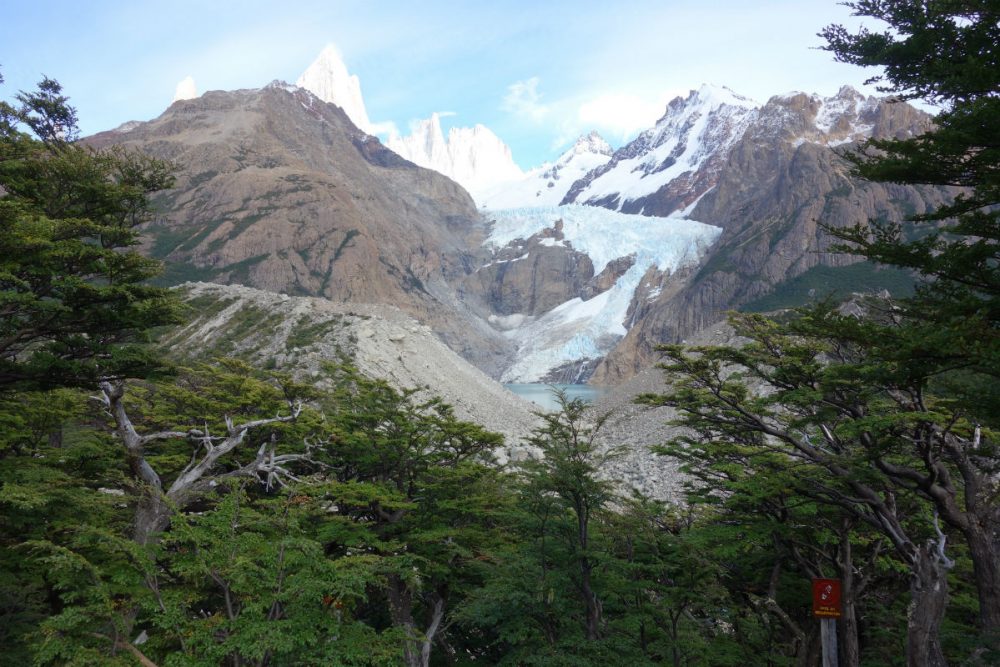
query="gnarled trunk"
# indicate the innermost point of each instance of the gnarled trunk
(928, 600)
(417, 644)
(152, 516)
(847, 624)
(984, 549)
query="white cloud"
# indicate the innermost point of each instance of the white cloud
(623, 114)
(384, 129)
(186, 90)
(523, 99)
(619, 116)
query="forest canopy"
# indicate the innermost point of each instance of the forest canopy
(161, 510)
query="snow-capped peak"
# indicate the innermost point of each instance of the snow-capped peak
(683, 153)
(715, 96)
(327, 78)
(473, 156)
(548, 184)
(588, 143)
(186, 90)
(800, 118)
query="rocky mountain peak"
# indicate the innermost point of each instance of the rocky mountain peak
(669, 166)
(281, 192)
(474, 157)
(548, 184)
(327, 77)
(589, 143)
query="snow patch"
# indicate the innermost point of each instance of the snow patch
(505, 261)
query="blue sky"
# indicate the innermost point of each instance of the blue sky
(537, 73)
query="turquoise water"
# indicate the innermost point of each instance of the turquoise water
(542, 396)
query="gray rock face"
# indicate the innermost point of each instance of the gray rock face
(777, 191)
(532, 279)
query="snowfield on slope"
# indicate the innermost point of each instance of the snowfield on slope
(705, 124)
(579, 330)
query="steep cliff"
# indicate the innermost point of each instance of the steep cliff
(781, 183)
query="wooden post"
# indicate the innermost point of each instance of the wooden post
(826, 607)
(828, 637)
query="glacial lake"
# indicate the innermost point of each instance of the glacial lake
(542, 396)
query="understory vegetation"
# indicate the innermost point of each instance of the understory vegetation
(208, 512)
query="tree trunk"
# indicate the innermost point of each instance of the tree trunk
(417, 644)
(928, 599)
(985, 553)
(847, 631)
(847, 626)
(591, 603)
(152, 516)
(401, 610)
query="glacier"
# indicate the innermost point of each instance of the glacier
(578, 330)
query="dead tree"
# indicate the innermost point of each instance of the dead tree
(201, 475)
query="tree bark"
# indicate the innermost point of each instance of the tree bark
(152, 516)
(928, 599)
(984, 550)
(847, 626)
(417, 644)
(591, 603)
(592, 606)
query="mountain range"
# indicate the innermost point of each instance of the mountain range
(571, 271)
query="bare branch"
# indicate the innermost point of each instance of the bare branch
(948, 563)
(237, 433)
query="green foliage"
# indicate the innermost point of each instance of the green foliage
(808, 435)
(947, 53)
(54, 470)
(249, 579)
(305, 334)
(74, 298)
(588, 577)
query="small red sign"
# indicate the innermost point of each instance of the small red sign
(826, 598)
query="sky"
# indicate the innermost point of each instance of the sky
(539, 74)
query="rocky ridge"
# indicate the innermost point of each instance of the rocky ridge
(548, 184)
(669, 166)
(301, 334)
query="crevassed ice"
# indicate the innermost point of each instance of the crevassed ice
(579, 330)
